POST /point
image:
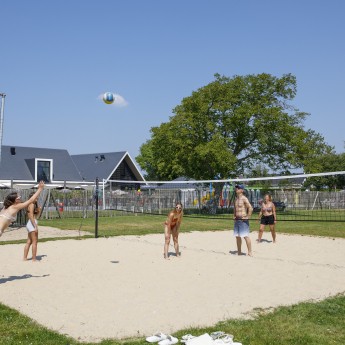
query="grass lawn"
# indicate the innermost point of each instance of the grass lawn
(153, 224)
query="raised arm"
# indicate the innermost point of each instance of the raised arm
(32, 199)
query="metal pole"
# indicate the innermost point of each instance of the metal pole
(2, 95)
(96, 215)
(103, 195)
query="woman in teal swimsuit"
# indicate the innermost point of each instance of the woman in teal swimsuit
(13, 204)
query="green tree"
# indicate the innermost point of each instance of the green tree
(326, 163)
(259, 171)
(229, 126)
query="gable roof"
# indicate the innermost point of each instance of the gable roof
(18, 165)
(17, 162)
(103, 165)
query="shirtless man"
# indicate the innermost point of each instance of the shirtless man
(242, 212)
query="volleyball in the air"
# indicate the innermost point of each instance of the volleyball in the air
(108, 98)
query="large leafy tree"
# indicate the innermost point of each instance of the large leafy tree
(229, 126)
(326, 163)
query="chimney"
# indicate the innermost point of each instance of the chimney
(13, 151)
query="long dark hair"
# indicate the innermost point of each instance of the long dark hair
(10, 199)
(35, 203)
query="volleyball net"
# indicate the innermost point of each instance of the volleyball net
(303, 197)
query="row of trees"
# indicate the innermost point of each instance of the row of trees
(232, 125)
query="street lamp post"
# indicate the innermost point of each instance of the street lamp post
(2, 95)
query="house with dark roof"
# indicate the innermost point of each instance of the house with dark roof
(26, 166)
(108, 167)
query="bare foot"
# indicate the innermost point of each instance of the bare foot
(166, 257)
(250, 254)
(259, 241)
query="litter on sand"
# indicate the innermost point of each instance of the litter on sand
(215, 338)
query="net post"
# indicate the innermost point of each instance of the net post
(96, 213)
(103, 191)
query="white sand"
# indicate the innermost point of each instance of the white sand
(44, 232)
(119, 287)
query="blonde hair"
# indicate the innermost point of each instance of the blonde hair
(269, 197)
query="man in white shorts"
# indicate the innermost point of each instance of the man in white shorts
(242, 211)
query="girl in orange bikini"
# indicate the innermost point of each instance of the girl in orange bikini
(171, 227)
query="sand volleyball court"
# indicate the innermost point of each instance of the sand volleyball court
(119, 287)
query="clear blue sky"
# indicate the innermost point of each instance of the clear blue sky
(57, 57)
